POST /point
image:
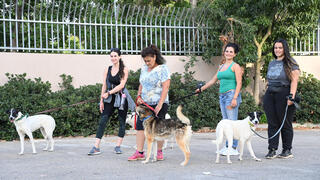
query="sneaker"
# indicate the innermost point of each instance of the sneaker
(271, 154)
(136, 156)
(222, 151)
(159, 155)
(94, 151)
(285, 154)
(117, 150)
(233, 152)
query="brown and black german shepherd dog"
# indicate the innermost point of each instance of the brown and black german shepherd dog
(156, 129)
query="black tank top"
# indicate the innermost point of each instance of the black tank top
(114, 80)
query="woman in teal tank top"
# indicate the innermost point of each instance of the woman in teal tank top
(230, 77)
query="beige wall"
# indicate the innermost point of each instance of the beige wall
(85, 69)
(88, 69)
(309, 64)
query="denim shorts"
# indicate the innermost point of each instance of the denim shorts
(225, 100)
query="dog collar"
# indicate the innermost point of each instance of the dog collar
(26, 116)
(146, 118)
(251, 124)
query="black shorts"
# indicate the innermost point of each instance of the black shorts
(161, 114)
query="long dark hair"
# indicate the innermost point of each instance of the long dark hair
(288, 61)
(235, 48)
(152, 51)
(121, 64)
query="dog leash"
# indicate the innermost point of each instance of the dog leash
(284, 119)
(194, 93)
(295, 102)
(71, 105)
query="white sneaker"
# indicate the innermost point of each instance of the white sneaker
(224, 149)
(233, 152)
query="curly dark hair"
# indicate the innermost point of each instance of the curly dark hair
(121, 64)
(235, 48)
(152, 51)
(288, 61)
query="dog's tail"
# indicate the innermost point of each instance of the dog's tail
(219, 135)
(181, 116)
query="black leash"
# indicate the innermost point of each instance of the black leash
(179, 99)
(62, 107)
(192, 94)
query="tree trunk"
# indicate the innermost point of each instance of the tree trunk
(256, 90)
(257, 74)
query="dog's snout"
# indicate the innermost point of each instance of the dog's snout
(11, 118)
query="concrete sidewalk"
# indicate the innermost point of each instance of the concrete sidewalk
(70, 161)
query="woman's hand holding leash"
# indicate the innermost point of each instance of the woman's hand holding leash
(157, 109)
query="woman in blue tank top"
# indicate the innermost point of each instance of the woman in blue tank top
(230, 77)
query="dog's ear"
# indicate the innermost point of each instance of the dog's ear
(259, 113)
(251, 114)
(8, 111)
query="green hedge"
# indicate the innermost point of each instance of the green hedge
(309, 90)
(32, 96)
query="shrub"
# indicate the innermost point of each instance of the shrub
(308, 89)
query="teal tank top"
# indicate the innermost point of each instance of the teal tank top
(227, 79)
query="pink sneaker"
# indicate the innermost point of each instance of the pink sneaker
(159, 155)
(136, 156)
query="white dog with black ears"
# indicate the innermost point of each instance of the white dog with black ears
(240, 130)
(27, 124)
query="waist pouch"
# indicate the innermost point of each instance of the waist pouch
(276, 89)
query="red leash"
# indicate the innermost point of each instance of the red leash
(135, 115)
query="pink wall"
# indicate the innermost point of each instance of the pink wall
(85, 69)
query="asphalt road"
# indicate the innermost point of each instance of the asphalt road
(70, 160)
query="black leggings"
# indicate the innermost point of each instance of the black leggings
(105, 116)
(274, 105)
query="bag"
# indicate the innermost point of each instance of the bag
(275, 89)
(108, 100)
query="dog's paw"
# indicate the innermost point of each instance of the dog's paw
(50, 150)
(257, 159)
(34, 153)
(240, 159)
(144, 162)
(183, 163)
(21, 153)
(229, 162)
(217, 162)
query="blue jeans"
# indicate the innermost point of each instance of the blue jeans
(232, 114)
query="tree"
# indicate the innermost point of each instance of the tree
(270, 20)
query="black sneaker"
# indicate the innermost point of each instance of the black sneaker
(285, 154)
(271, 154)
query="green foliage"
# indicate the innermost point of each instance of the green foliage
(308, 89)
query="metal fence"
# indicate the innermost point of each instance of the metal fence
(62, 26)
(309, 46)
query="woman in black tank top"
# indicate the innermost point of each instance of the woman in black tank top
(115, 78)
